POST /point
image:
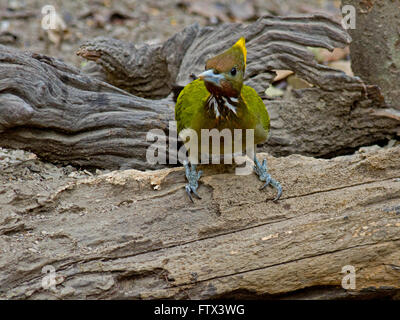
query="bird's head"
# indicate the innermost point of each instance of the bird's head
(224, 72)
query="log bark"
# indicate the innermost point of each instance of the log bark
(132, 234)
(64, 115)
(375, 50)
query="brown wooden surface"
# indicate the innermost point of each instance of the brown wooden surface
(132, 234)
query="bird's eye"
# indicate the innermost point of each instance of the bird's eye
(233, 72)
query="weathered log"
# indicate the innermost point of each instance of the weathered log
(64, 115)
(132, 234)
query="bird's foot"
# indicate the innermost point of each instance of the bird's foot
(193, 177)
(261, 171)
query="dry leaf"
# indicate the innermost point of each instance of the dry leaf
(282, 74)
(344, 66)
(298, 83)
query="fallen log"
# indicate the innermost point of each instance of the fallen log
(64, 115)
(132, 234)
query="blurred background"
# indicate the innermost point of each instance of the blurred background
(133, 20)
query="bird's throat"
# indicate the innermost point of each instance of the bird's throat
(223, 107)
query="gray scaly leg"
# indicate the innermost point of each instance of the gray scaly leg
(262, 172)
(193, 178)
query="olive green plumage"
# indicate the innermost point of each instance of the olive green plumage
(220, 100)
(190, 112)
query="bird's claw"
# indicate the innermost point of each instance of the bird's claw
(190, 190)
(266, 183)
(193, 177)
(262, 172)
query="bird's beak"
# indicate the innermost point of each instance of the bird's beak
(211, 77)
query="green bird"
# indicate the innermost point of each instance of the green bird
(218, 99)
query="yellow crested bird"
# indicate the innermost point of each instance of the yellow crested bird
(218, 99)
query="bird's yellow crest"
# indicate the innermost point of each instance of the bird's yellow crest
(241, 44)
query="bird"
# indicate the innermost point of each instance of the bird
(218, 99)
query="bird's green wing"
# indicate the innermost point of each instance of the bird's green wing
(256, 106)
(190, 101)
